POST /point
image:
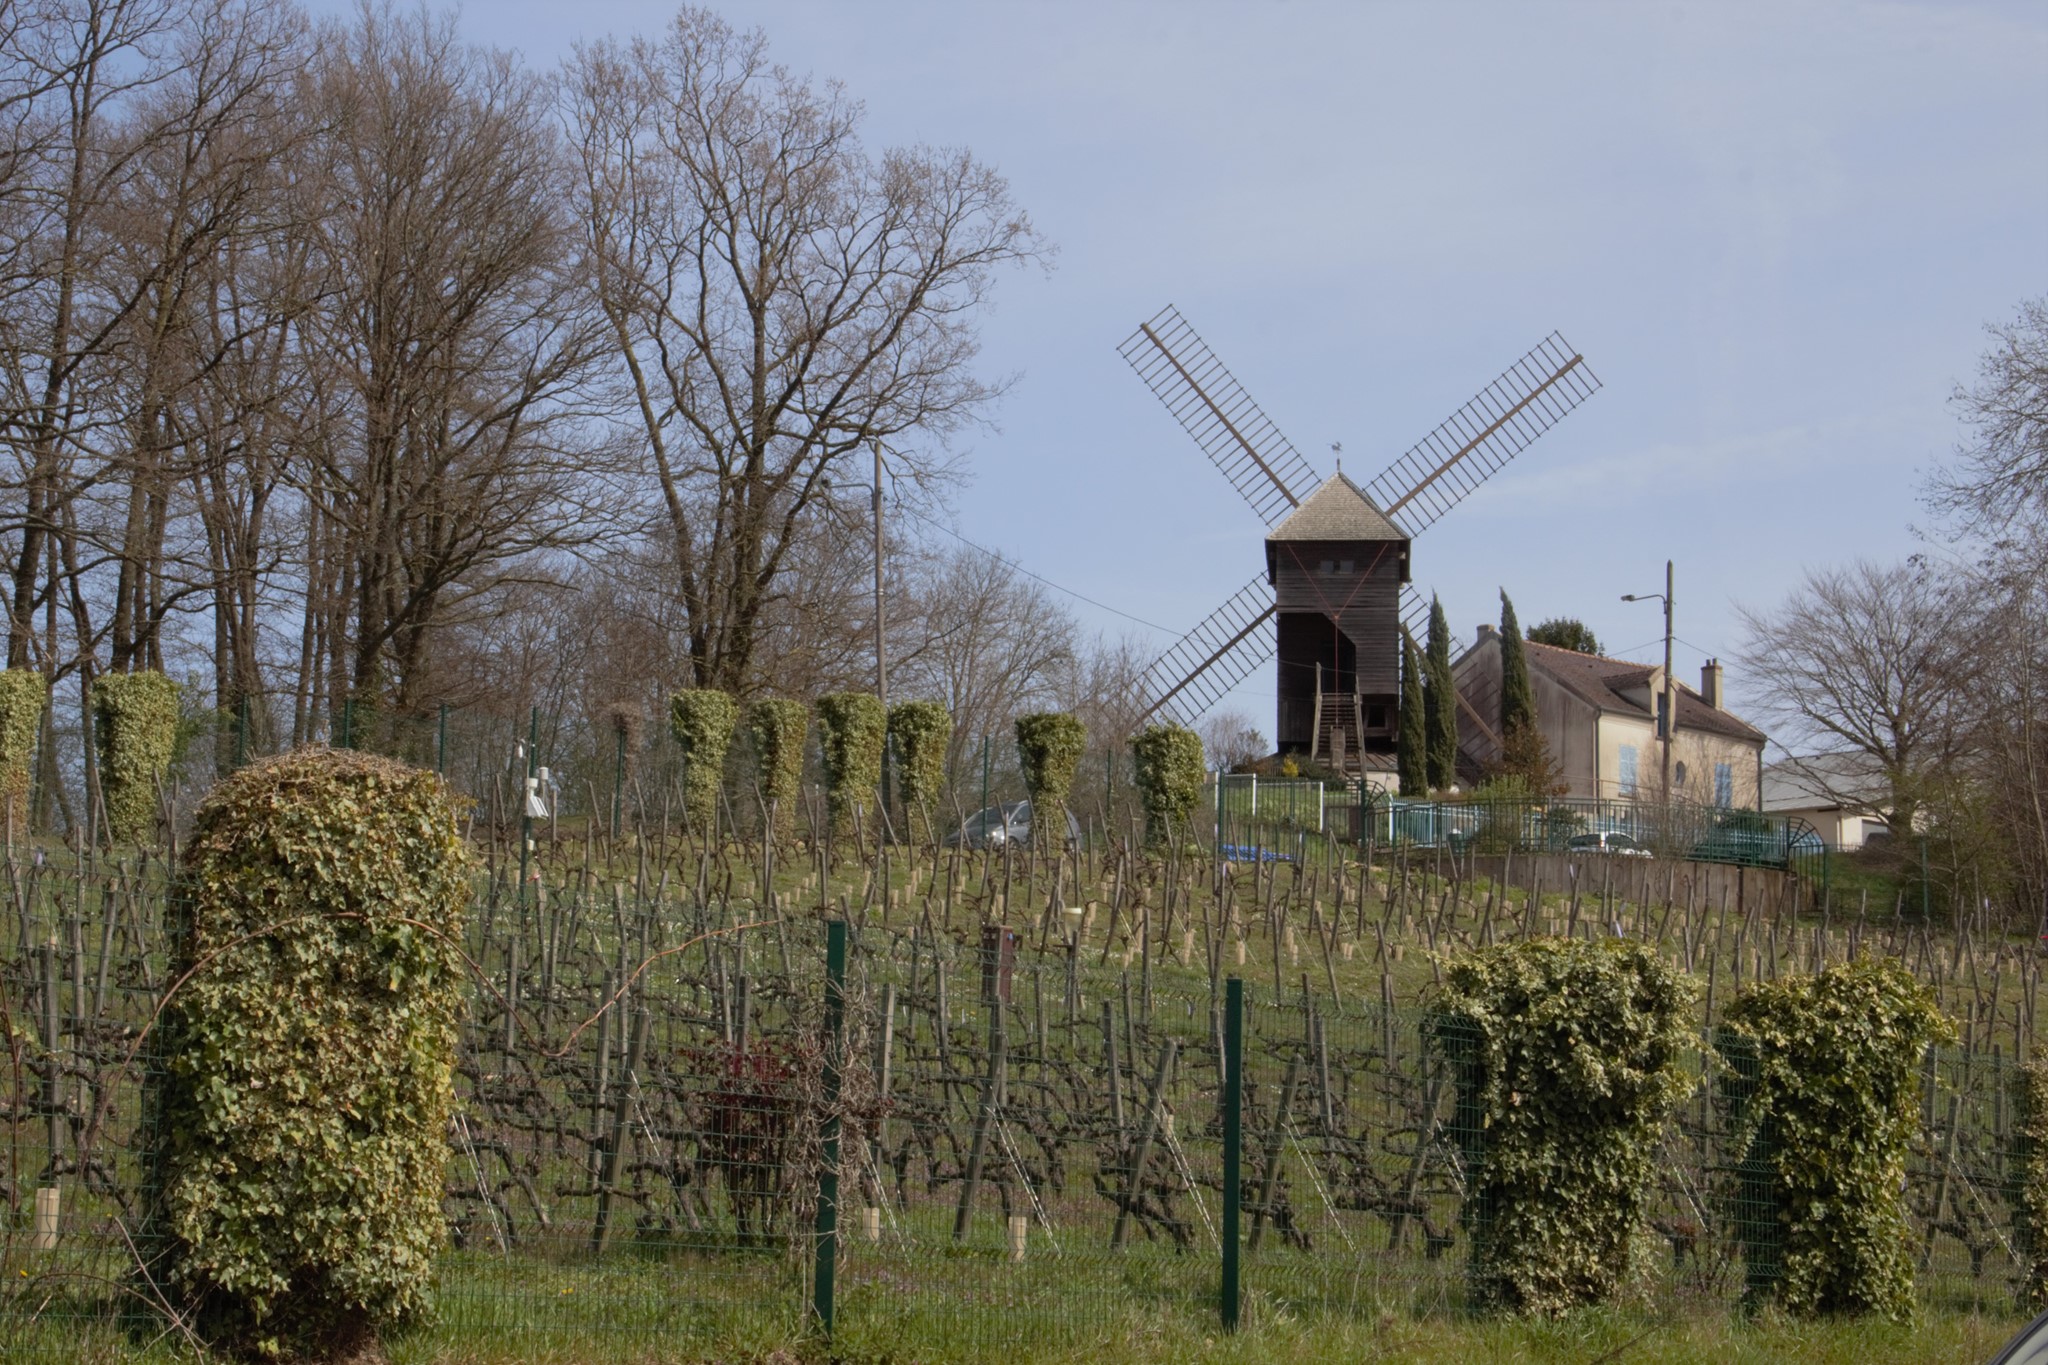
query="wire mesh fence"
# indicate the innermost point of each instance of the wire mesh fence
(1015, 1134)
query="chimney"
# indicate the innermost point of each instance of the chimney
(1486, 631)
(1710, 683)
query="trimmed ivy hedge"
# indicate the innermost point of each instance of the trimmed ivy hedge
(301, 1086)
(852, 730)
(24, 696)
(776, 726)
(1567, 1056)
(1821, 1089)
(1168, 759)
(135, 720)
(1049, 749)
(2028, 1181)
(922, 730)
(702, 721)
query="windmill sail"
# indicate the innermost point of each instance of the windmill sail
(1414, 615)
(1534, 394)
(1178, 366)
(1215, 656)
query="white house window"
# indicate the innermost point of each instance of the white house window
(1628, 770)
(1724, 784)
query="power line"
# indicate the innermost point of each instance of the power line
(1056, 587)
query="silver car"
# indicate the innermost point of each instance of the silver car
(1607, 841)
(1008, 823)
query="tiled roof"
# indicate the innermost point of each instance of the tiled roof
(1337, 511)
(1601, 681)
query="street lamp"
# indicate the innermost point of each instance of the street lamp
(1667, 719)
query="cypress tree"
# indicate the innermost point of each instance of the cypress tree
(1412, 745)
(1440, 701)
(1517, 700)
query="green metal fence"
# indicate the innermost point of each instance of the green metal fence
(1244, 812)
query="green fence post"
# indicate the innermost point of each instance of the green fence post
(441, 740)
(1233, 1144)
(827, 1231)
(348, 722)
(984, 783)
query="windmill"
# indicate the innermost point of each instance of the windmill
(1334, 601)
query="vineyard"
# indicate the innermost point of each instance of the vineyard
(1013, 1073)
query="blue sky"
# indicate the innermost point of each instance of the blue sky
(1775, 232)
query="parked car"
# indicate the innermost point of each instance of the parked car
(1607, 841)
(2028, 1347)
(1008, 823)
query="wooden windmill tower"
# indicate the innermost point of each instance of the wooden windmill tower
(1335, 600)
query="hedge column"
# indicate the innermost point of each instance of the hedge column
(135, 719)
(1567, 1057)
(302, 1078)
(1822, 1094)
(24, 696)
(1168, 762)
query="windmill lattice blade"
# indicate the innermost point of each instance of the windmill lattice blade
(1215, 656)
(1534, 394)
(1178, 366)
(1414, 615)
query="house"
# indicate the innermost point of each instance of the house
(1838, 794)
(1598, 716)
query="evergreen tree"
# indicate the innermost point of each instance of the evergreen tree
(1440, 701)
(1565, 632)
(1517, 700)
(1412, 753)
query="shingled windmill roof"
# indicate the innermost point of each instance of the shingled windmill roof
(1337, 511)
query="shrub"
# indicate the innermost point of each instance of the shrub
(777, 726)
(1168, 759)
(301, 1089)
(922, 730)
(135, 720)
(24, 696)
(852, 728)
(1567, 1058)
(702, 720)
(2028, 1192)
(1049, 748)
(1821, 1090)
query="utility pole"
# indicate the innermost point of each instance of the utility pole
(1670, 719)
(1667, 701)
(881, 648)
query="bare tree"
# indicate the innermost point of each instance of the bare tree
(2001, 472)
(781, 304)
(1231, 740)
(1856, 671)
(452, 312)
(992, 647)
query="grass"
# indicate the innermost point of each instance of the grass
(630, 1312)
